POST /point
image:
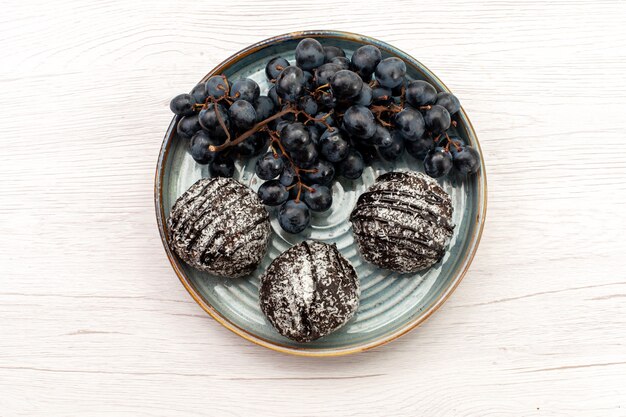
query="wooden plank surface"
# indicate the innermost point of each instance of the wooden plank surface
(93, 321)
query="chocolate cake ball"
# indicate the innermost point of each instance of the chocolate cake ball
(309, 291)
(403, 222)
(220, 226)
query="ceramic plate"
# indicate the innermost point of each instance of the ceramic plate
(391, 304)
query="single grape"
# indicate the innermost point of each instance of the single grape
(319, 198)
(359, 121)
(242, 115)
(333, 146)
(368, 152)
(309, 82)
(331, 52)
(420, 147)
(382, 137)
(294, 136)
(222, 166)
(305, 156)
(272, 94)
(308, 105)
(290, 84)
(182, 105)
(394, 149)
(309, 54)
(188, 125)
(466, 160)
(365, 96)
(420, 93)
(365, 59)
(459, 142)
(381, 95)
(399, 90)
(269, 166)
(294, 216)
(323, 172)
(314, 134)
(352, 166)
(217, 86)
(288, 176)
(342, 61)
(410, 123)
(245, 89)
(324, 73)
(328, 100)
(437, 119)
(346, 84)
(449, 101)
(254, 145)
(273, 193)
(275, 66)
(438, 162)
(264, 108)
(210, 121)
(199, 93)
(390, 72)
(199, 147)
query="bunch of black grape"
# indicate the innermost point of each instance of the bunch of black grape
(325, 116)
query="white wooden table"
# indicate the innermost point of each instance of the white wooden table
(93, 321)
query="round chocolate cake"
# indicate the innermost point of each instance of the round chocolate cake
(309, 291)
(220, 226)
(403, 222)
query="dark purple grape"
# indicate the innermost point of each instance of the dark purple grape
(275, 66)
(438, 162)
(222, 166)
(273, 193)
(368, 152)
(324, 173)
(331, 52)
(199, 93)
(210, 121)
(343, 62)
(381, 95)
(216, 86)
(288, 175)
(309, 54)
(420, 147)
(242, 115)
(182, 105)
(188, 125)
(395, 148)
(458, 141)
(245, 89)
(437, 119)
(352, 166)
(199, 147)
(264, 108)
(328, 100)
(305, 156)
(410, 123)
(333, 146)
(294, 216)
(314, 134)
(399, 90)
(308, 105)
(324, 73)
(345, 84)
(309, 82)
(359, 121)
(365, 96)
(271, 93)
(382, 137)
(365, 59)
(449, 101)
(466, 160)
(319, 198)
(290, 84)
(420, 93)
(390, 72)
(294, 136)
(269, 166)
(254, 145)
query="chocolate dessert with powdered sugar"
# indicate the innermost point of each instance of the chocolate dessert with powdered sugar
(403, 222)
(309, 291)
(220, 226)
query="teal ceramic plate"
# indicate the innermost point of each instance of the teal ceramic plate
(391, 304)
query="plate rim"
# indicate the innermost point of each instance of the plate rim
(459, 274)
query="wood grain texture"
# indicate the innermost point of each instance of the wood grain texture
(93, 321)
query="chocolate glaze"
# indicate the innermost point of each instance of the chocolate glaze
(220, 226)
(403, 222)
